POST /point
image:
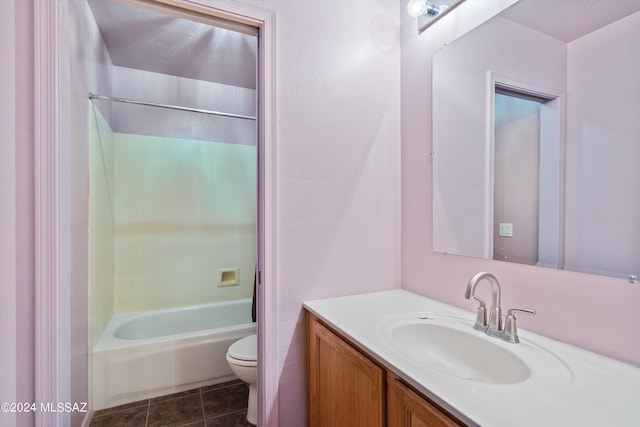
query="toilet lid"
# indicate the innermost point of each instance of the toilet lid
(245, 349)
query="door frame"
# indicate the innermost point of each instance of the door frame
(52, 201)
(556, 101)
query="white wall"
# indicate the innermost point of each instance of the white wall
(183, 210)
(603, 149)
(101, 225)
(164, 89)
(88, 64)
(594, 312)
(180, 188)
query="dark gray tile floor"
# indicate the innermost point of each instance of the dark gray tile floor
(220, 405)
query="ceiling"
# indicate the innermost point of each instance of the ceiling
(568, 20)
(153, 41)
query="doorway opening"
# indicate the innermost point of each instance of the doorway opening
(173, 200)
(526, 186)
(63, 81)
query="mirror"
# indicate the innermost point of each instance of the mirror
(536, 138)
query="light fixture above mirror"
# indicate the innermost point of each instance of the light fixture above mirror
(428, 11)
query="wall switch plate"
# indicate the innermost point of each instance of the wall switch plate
(228, 277)
(505, 229)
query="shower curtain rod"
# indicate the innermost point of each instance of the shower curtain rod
(172, 107)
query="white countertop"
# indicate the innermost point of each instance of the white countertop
(591, 390)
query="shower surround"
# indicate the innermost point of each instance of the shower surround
(167, 216)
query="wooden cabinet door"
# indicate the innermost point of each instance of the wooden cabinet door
(408, 409)
(346, 389)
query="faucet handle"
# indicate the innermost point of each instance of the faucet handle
(510, 332)
(481, 315)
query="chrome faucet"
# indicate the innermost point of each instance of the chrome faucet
(510, 333)
(494, 326)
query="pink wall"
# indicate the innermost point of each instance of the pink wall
(339, 97)
(17, 252)
(603, 149)
(338, 179)
(164, 89)
(594, 312)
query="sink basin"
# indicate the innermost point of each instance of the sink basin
(461, 354)
(450, 346)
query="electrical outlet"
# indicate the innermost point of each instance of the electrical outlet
(505, 229)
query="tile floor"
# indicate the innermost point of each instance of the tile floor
(220, 405)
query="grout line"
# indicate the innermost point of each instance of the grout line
(146, 420)
(239, 411)
(109, 411)
(204, 417)
(200, 393)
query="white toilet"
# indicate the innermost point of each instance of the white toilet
(242, 357)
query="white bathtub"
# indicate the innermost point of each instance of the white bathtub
(148, 354)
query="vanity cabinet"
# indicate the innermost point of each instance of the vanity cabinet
(345, 387)
(408, 409)
(348, 388)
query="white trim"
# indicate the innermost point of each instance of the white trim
(52, 326)
(488, 162)
(267, 254)
(199, 12)
(225, 9)
(52, 199)
(558, 169)
(521, 86)
(8, 274)
(507, 82)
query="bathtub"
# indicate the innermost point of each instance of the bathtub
(148, 354)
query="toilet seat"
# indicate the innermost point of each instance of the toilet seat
(244, 352)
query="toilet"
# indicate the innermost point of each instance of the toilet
(242, 357)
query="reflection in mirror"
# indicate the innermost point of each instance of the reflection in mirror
(516, 178)
(536, 138)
